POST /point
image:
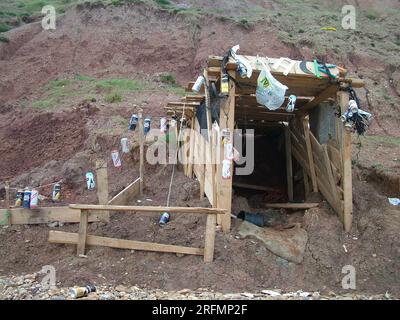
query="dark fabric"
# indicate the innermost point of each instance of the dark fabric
(201, 114)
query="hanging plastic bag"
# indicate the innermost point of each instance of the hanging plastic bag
(270, 92)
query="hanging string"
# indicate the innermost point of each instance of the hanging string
(39, 187)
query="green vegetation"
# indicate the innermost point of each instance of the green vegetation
(5, 27)
(4, 39)
(113, 97)
(163, 3)
(394, 141)
(168, 79)
(112, 90)
(121, 121)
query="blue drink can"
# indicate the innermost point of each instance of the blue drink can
(147, 122)
(133, 122)
(27, 199)
(164, 219)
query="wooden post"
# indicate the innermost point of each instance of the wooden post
(102, 186)
(141, 142)
(310, 159)
(227, 120)
(210, 238)
(7, 201)
(82, 234)
(345, 149)
(289, 165)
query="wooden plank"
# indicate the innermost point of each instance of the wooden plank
(291, 205)
(149, 209)
(102, 186)
(7, 203)
(82, 233)
(209, 242)
(227, 120)
(141, 152)
(289, 165)
(343, 97)
(329, 176)
(72, 238)
(251, 186)
(334, 155)
(47, 215)
(191, 152)
(126, 195)
(310, 158)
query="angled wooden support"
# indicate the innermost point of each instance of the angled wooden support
(306, 129)
(324, 95)
(126, 195)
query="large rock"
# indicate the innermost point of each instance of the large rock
(289, 244)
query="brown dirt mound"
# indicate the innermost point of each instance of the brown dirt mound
(30, 139)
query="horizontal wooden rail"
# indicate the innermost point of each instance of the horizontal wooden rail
(292, 205)
(73, 238)
(148, 209)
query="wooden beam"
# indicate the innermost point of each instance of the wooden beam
(210, 238)
(7, 203)
(310, 158)
(251, 186)
(289, 164)
(291, 205)
(324, 95)
(227, 121)
(149, 209)
(126, 195)
(47, 215)
(72, 238)
(343, 97)
(102, 185)
(141, 159)
(82, 234)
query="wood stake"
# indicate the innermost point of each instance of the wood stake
(141, 141)
(102, 185)
(210, 238)
(82, 234)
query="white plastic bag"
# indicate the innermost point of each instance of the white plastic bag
(270, 92)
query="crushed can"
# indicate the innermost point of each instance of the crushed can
(34, 201)
(133, 122)
(164, 219)
(226, 170)
(116, 159)
(90, 180)
(80, 292)
(147, 123)
(56, 192)
(224, 85)
(163, 125)
(19, 198)
(125, 145)
(26, 204)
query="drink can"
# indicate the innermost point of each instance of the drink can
(19, 198)
(164, 219)
(56, 192)
(133, 122)
(163, 125)
(90, 181)
(27, 199)
(125, 146)
(228, 147)
(226, 169)
(198, 84)
(147, 122)
(79, 292)
(34, 199)
(116, 159)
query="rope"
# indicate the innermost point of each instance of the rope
(40, 187)
(176, 156)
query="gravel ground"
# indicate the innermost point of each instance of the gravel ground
(29, 287)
